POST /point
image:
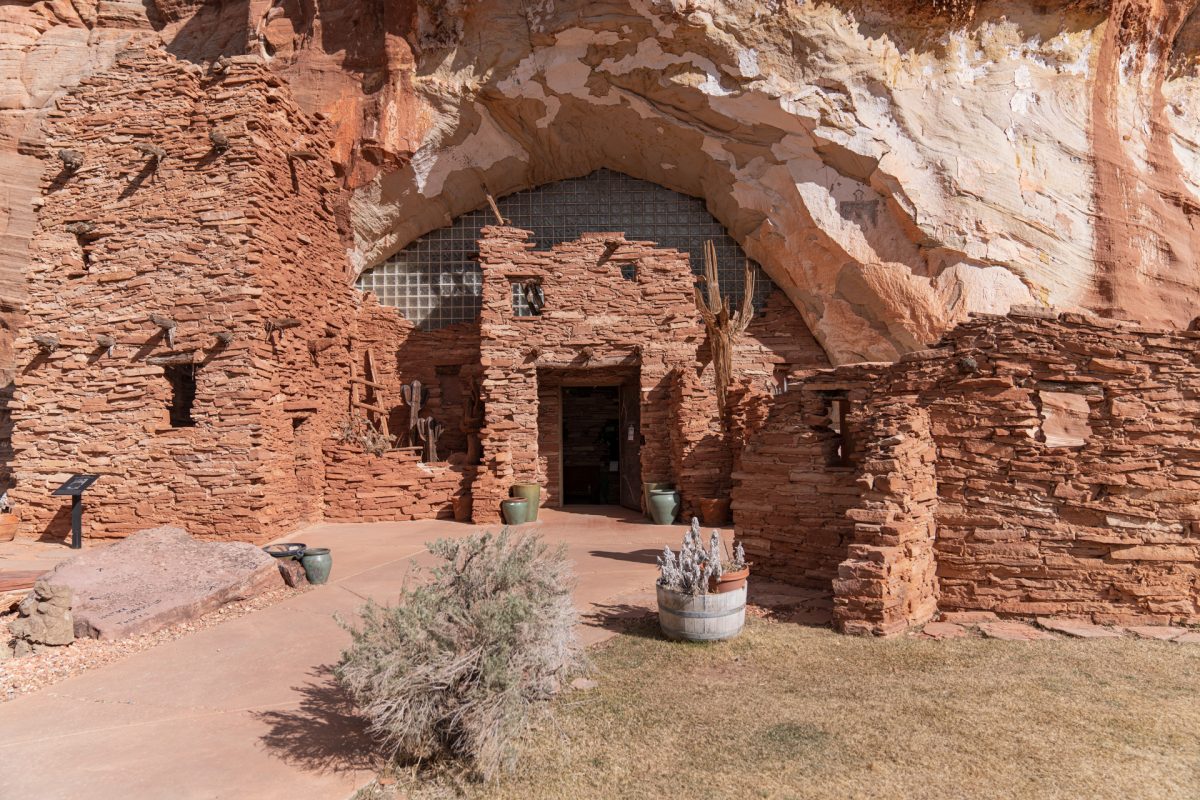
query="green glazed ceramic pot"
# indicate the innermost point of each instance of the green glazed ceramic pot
(664, 506)
(531, 492)
(513, 510)
(317, 563)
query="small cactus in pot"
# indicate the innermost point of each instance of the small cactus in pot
(701, 597)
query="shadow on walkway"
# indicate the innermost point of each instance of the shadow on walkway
(628, 618)
(323, 734)
(646, 556)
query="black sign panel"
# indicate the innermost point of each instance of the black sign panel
(75, 485)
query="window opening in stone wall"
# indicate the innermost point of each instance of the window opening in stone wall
(182, 378)
(838, 406)
(436, 280)
(629, 270)
(528, 298)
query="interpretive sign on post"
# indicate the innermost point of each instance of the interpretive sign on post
(74, 488)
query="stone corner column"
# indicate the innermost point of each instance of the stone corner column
(888, 582)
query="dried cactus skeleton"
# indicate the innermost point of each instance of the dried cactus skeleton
(429, 429)
(723, 325)
(414, 396)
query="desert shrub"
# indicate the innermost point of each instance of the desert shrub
(465, 663)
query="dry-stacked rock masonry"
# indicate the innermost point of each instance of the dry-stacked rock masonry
(1037, 464)
(176, 262)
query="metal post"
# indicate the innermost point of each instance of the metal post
(76, 521)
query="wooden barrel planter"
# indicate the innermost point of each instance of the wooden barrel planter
(702, 617)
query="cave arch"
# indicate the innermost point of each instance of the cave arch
(813, 178)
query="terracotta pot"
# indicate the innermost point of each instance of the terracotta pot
(730, 581)
(8, 527)
(714, 511)
(463, 506)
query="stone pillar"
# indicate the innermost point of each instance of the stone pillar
(888, 583)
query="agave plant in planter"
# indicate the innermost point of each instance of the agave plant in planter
(700, 597)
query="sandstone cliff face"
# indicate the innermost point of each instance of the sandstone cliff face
(892, 165)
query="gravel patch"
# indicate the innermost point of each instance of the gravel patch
(20, 676)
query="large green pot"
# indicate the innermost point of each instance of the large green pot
(317, 563)
(664, 506)
(649, 487)
(531, 492)
(514, 510)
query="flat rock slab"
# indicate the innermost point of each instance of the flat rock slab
(1013, 631)
(1192, 637)
(1161, 632)
(969, 617)
(944, 630)
(1079, 628)
(160, 577)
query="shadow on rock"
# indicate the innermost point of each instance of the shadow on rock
(323, 734)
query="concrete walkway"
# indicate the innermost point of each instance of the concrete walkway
(246, 709)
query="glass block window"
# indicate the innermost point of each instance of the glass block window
(436, 280)
(520, 305)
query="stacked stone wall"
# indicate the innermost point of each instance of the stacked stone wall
(222, 243)
(790, 500)
(362, 487)
(1065, 469)
(596, 321)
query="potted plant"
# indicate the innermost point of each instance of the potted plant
(694, 603)
(8, 520)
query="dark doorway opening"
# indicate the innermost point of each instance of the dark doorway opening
(591, 445)
(182, 378)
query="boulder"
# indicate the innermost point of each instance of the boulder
(292, 572)
(45, 619)
(159, 577)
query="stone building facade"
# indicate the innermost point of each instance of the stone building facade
(174, 341)
(193, 336)
(1033, 464)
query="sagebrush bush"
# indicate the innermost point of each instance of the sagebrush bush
(464, 664)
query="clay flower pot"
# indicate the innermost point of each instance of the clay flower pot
(730, 581)
(714, 511)
(513, 510)
(647, 488)
(8, 527)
